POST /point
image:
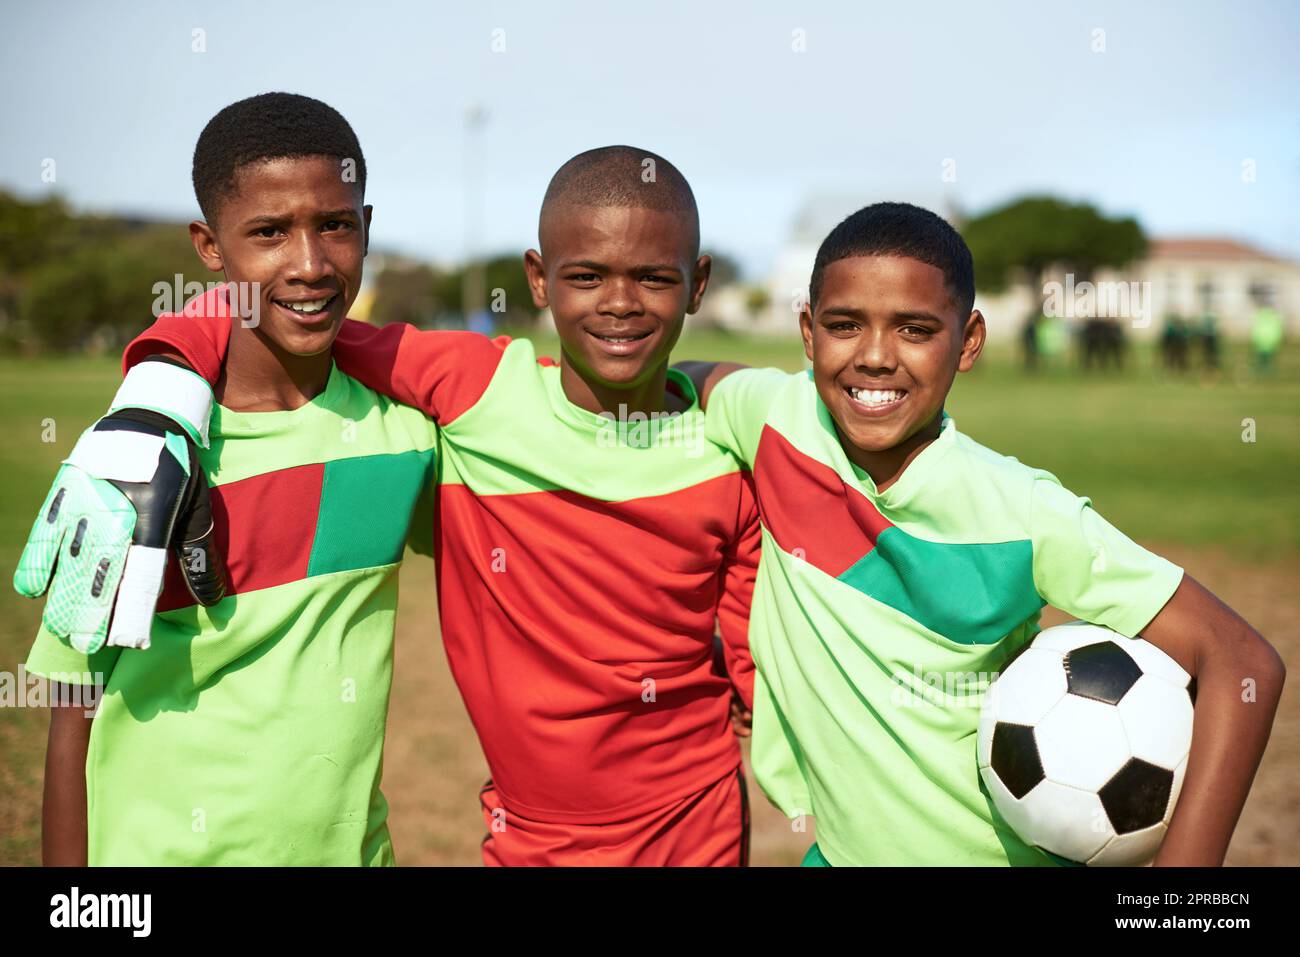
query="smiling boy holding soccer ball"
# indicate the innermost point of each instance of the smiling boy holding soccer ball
(894, 544)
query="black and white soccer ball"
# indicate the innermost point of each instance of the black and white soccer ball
(1083, 744)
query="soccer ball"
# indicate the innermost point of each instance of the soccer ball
(1083, 744)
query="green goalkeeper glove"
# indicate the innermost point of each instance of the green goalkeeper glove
(131, 488)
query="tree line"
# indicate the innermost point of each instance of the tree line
(72, 282)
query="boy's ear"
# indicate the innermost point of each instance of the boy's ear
(806, 329)
(699, 282)
(535, 270)
(972, 341)
(205, 244)
(366, 212)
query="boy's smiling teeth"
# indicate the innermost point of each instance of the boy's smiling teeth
(628, 338)
(875, 396)
(307, 305)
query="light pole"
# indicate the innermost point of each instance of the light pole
(473, 294)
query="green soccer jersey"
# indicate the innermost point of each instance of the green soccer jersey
(880, 618)
(251, 733)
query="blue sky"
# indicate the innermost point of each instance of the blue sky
(1158, 125)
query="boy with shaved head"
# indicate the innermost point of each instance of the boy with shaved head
(588, 536)
(637, 208)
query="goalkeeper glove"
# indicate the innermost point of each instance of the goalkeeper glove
(132, 488)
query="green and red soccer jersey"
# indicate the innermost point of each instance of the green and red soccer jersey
(251, 732)
(880, 618)
(582, 563)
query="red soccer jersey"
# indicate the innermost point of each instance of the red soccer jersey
(582, 564)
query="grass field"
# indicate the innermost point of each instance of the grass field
(1162, 457)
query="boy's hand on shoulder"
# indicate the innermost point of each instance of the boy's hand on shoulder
(705, 375)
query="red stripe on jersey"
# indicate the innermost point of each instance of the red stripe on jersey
(264, 526)
(580, 633)
(808, 509)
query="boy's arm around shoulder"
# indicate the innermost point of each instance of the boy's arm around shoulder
(440, 372)
(737, 400)
(704, 375)
(443, 373)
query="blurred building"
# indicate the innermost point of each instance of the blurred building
(1230, 279)
(728, 307)
(1189, 277)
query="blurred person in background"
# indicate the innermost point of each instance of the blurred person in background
(1173, 343)
(1266, 334)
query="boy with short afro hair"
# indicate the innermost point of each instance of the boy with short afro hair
(894, 545)
(249, 732)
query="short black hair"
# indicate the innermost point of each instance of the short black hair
(901, 229)
(264, 127)
(622, 176)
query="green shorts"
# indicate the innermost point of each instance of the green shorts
(814, 858)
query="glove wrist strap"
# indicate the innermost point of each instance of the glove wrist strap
(181, 395)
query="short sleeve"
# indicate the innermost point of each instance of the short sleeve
(1088, 568)
(738, 408)
(53, 658)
